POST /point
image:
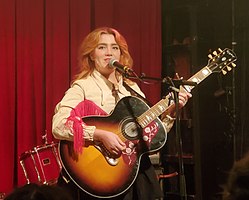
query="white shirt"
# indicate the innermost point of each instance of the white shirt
(97, 89)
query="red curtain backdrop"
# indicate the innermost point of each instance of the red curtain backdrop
(39, 41)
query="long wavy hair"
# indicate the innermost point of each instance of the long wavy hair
(88, 45)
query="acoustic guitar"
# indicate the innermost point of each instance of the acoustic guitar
(101, 174)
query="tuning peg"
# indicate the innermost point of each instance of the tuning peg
(229, 68)
(220, 50)
(215, 53)
(210, 56)
(233, 64)
(224, 72)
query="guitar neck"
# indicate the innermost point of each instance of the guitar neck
(162, 106)
(198, 77)
(218, 63)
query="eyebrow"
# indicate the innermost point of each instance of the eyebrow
(113, 44)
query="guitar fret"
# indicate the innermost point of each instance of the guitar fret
(198, 77)
(148, 116)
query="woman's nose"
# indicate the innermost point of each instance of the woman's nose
(109, 51)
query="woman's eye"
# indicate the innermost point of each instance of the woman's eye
(116, 48)
(101, 47)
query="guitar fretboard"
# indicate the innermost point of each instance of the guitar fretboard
(216, 64)
(152, 113)
(159, 108)
(198, 77)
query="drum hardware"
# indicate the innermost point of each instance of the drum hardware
(22, 158)
(45, 138)
(41, 164)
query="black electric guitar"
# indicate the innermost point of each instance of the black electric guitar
(101, 174)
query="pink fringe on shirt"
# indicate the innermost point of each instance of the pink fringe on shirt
(84, 108)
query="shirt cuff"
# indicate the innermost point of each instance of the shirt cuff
(88, 132)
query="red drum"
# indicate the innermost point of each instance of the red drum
(41, 164)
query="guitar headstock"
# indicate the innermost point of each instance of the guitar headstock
(222, 61)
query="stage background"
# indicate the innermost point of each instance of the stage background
(38, 49)
(39, 41)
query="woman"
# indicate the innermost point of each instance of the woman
(95, 91)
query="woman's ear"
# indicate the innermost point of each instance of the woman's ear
(91, 57)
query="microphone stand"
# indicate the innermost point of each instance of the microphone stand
(182, 179)
(173, 85)
(175, 88)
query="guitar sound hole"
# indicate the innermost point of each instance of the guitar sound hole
(130, 130)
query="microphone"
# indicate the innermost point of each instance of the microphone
(121, 68)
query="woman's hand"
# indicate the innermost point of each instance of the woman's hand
(110, 140)
(183, 97)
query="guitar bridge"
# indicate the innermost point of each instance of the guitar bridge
(112, 161)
